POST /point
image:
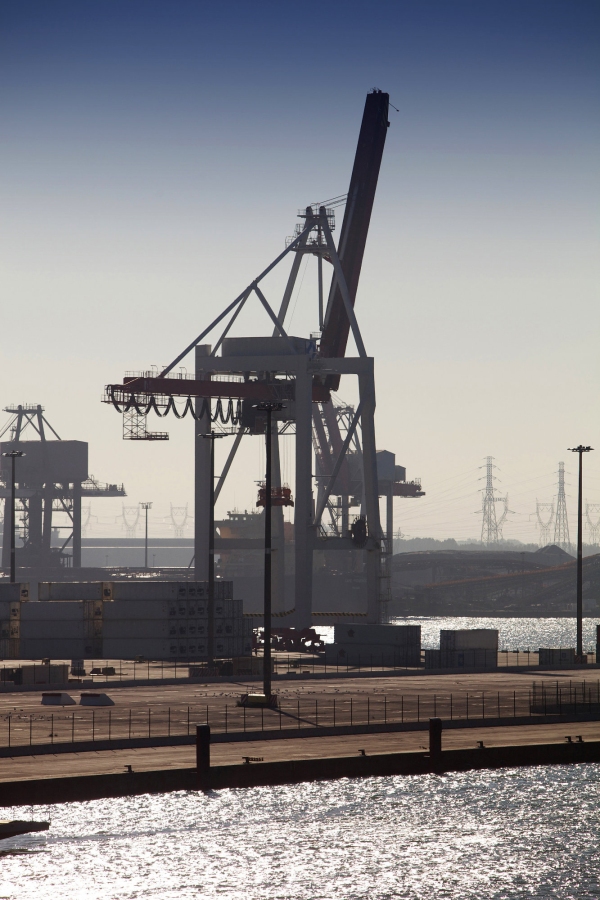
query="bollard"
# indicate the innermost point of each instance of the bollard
(435, 738)
(203, 756)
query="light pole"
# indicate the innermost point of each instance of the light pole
(269, 408)
(581, 450)
(212, 437)
(146, 507)
(12, 455)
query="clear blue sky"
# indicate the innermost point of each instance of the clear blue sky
(154, 155)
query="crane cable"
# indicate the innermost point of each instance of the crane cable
(229, 415)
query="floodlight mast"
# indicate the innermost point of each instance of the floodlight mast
(12, 455)
(580, 449)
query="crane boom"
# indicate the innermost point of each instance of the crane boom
(355, 226)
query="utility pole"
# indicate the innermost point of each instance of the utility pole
(581, 450)
(212, 437)
(269, 408)
(12, 455)
(146, 507)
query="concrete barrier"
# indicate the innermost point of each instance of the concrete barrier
(95, 787)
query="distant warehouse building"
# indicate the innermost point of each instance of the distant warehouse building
(122, 620)
(374, 645)
(468, 648)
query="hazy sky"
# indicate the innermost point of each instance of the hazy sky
(154, 155)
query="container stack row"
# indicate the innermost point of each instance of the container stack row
(124, 620)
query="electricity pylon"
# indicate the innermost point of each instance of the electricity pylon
(561, 522)
(179, 517)
(130, 518)
(593, 510)
(491, 527)
(545, 517)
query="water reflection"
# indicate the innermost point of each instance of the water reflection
(520, 833)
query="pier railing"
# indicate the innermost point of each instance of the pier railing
(67, 725)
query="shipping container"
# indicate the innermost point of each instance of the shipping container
(128, 648)
(70, 590)
(367, 655)
(155, 629)
(373, 635)
(556, 657)
(136, 610)
(56, 630)
(469, 639)
(145, 590)
(13, 592)
(52, 648)
(43, 674)
(461, 659)
(58, 611)
(249, 666)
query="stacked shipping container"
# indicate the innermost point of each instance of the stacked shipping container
(124, 620)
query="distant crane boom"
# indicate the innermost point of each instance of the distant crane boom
(355, 227)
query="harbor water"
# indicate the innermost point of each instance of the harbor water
(515, 833)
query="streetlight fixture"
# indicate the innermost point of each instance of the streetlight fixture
(269, 408)
(581, 450)
(12, 455)
(146, 507)
(212, 437)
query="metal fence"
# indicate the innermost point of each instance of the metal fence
(566, 697)
(18, 728)
(110, 671)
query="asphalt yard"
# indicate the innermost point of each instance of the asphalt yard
(162, 710)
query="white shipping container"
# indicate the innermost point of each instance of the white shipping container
(136, 609)
(469, 639)
(155, 629)
(13, 592)
(67, 629)
(70, 590)
(389, 635)
(194, 650)
(57, 611)
(51, 648)
(196, 590)
(474, 658)
(129, 648)
(366, 655)
(224, 627)
(145, 590)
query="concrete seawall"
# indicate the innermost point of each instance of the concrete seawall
(94, 787)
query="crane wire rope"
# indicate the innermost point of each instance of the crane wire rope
(229, 415)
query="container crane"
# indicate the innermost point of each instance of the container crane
(236, 373)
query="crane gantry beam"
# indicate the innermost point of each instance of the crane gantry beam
(189, 387)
